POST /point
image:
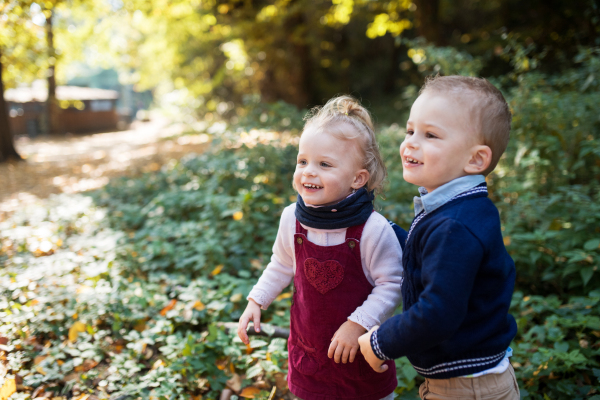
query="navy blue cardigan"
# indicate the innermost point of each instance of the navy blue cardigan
(457, 288)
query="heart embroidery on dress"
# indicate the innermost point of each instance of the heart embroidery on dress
(325, 275)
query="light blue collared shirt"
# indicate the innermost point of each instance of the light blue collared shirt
(440, 196)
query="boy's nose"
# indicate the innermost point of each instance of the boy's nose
(410, 142)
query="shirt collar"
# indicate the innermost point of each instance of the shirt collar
(440, 196)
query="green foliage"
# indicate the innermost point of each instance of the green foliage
(219, 208)
(557, 354)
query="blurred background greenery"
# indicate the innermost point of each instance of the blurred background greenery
(145, 268)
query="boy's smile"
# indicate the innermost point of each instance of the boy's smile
(439, 144)
(328, 168)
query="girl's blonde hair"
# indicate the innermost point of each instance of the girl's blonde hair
(346, 109)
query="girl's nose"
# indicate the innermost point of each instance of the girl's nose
(309, 171)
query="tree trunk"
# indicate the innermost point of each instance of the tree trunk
(7, 149)
(52, 108)
(427, 20)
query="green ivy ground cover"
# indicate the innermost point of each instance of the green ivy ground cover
(120, 293)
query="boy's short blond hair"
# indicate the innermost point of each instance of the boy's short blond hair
(490, 115)
(346, 110)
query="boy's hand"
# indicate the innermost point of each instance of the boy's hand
(252, 313)
(365, 348)
(344, 344)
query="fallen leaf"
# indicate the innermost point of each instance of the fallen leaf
(71, 377)
(281, 382)
(217, 270)
(75, 330)
(39, 359)
(235, 383)
(40, 370)
(8, 388)
(140, 326)
(249, 392)
(89, 364)
(82, 396)
(168, 307)
(158, 363)
(198, 305)
(38, 392)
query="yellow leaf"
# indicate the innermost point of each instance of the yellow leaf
(236, 297)
(81, 397)
(249, 392)
(75, 329)
(238, 215)
(198, 305)
(217, 270)
(40, 370)
(283, 296)
(507, 241)
(8, 388)
(159, 363)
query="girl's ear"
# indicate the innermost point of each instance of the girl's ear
(481, 157)
(360, 179)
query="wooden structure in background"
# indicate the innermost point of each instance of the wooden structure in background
(83, 109)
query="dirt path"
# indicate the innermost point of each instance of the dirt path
(81, 163)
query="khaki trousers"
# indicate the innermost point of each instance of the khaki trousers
(487, 387)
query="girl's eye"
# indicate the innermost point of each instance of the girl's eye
(409, 132)
(430, 135)
(324, 164)
(302, 162)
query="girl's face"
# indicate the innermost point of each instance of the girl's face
(327, 168)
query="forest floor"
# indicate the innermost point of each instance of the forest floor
(78, 163)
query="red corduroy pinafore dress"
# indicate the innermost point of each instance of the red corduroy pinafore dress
(329, 285)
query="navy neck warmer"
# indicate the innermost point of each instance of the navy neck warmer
(352, 211)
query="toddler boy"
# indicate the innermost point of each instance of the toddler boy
(458, 276)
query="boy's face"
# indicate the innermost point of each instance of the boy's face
(327, 168)
(439, 143)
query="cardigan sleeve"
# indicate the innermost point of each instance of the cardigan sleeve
(382, 263)
(280, 271)
(451, 256)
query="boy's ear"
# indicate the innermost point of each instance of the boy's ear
(481, 157)
(360, 179)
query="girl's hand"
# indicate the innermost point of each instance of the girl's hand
(365, 348)
(344, 344)
(252, 313)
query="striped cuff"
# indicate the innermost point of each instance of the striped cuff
(376, 349)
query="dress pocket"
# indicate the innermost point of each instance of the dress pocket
(303, 359)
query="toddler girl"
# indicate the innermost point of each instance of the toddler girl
(344, 258)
